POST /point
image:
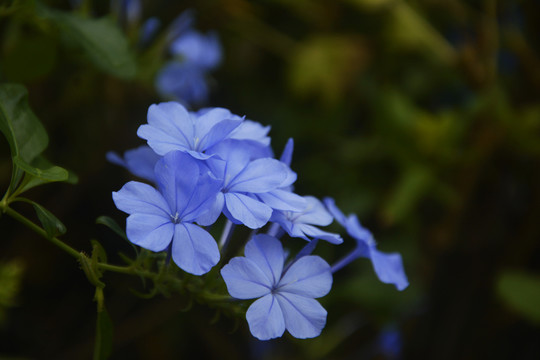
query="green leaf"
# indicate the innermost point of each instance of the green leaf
(104, 335)
(521, 292)
(53, 227)
(26, 135)
(49, 174)
(100, 39)
(51, 224)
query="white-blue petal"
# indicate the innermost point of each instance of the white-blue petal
(389, 268)
(245, 210)
(136, 197)
(177, 175)
(151, 232)
(194, 250)
(265, 318)
(244, 279)
(316, 233)
(315, 213)
(169, 128)
(283, 200)
(261, 175)
(304, 317)
(267, 252)
(309, 276)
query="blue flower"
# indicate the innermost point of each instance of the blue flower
(388, 267)
(164, 219)
(242, 179)
(183, 82)
(286, 294)
(203, 51)
(171, 127)
(139, 161)
(301, 224)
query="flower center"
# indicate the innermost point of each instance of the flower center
(175, 218)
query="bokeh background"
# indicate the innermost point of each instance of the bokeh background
(422, 117)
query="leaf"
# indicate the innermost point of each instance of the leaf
(100, 39)
(113, 225)
(50, 174)
(521, 292)
(104, 335)
(24, 132)
(53, 227)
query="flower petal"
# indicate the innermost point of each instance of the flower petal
(214, 210)
(304, 317)
(177, 175)
(309, 276)
(194, 250)
(283, 200)
(315, 213)
(141, 162)
(136, 197)
(334, 210)
(244, 279)
(169, 128)
(265, 318)
(267, 252)
(151, 232)
(245, 210)
(261, 175)
(389, 268)
(316, 233)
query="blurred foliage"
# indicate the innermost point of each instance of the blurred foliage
(423, 117)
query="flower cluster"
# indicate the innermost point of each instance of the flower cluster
(213, 164)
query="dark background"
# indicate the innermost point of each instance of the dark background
(422, 117)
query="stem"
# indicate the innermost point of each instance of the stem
(62, 245)
(115, 268)
(227, 234)
(344, 261)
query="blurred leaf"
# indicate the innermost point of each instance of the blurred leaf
(409, 30)
(414, 184)
(326, 65)
(521, 292)
(26, 135)
(104, 335)
(100, 39)
(371, 4)
(10, 279)
(29, 57)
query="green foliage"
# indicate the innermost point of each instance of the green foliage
(100, 40)
(10, 278)
(521, 292)
(104, 335)
(26, 135)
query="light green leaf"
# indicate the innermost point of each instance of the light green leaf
(26, 135)
(49, 174)
(521, 292)
(104, 335)
(100, 39)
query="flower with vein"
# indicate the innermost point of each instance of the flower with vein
(286, 294)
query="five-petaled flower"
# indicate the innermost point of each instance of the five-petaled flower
(165, 218)
(286, 293)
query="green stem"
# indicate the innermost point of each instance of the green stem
(62, 245)
(115, 268)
